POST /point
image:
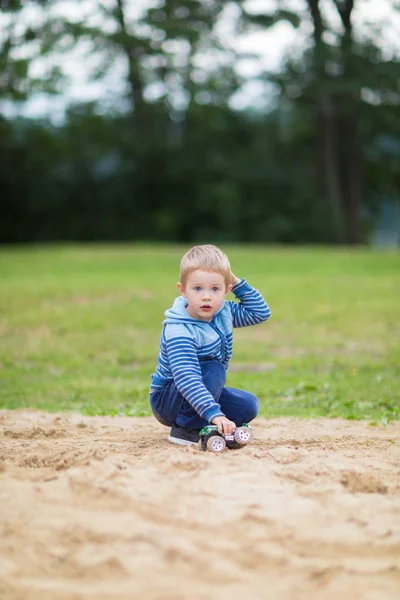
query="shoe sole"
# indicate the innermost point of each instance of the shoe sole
(181, 442)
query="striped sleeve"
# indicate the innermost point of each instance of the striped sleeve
(185, 367)
(251, 308)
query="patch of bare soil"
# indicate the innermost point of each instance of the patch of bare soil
(99, 507)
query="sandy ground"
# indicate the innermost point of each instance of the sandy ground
(99, 507)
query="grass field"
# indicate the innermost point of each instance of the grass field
(80, 328)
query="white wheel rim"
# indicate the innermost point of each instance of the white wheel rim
(243, 435)
(218, 445)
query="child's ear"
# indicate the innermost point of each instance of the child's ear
(181, 289)
(228, 289)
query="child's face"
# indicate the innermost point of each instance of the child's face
(205, 292)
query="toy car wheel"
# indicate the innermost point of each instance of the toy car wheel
(216, 443)
(242, 435)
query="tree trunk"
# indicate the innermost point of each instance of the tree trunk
(328, 167)
(350, 154)
(326, 132)
(133, 53)
(351, 175)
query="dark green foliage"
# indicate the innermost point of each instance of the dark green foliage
(218, 175)
(317, 168)
(16, 80)
(268, 20)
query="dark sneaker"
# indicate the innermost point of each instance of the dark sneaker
(183, 436)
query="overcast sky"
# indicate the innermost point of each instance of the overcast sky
(271, 46)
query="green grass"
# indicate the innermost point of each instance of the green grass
(80, 327)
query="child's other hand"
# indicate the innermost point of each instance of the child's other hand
(235, 279)
(225, 425)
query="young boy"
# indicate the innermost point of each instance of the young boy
(188, 388)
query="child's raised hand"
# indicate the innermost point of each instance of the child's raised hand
(224, 425)
(235, 279)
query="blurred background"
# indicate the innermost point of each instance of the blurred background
(200, 120)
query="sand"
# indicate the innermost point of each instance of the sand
(100, 507)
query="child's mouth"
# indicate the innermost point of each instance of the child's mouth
(205, 307)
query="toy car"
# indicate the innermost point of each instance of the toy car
(213, 441)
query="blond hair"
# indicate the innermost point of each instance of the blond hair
(206, 258)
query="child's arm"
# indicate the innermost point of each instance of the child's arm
(186, 370)
(251, 308)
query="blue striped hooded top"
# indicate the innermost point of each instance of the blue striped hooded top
(186, 341)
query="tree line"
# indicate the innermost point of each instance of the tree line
(180, 164)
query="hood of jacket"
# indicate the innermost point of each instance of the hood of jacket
(178, 313)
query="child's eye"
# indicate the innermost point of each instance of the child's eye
(197, 288)
(215, 289)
